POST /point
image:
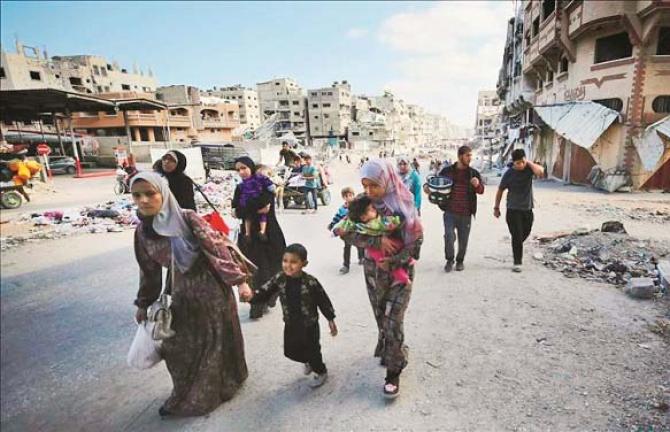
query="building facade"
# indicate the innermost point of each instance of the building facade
(30, 68)
(330, 110)
(246, 98)
(587, 61)
(286, 100)
(487, 119)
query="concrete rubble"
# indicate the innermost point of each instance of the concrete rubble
(111, 216)
(610, 257)
(645, 214)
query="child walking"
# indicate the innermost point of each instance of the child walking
(300, 295)
(347, 196)
(363, 218)
(251, 188)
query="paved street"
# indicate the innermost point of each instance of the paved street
(490, 350)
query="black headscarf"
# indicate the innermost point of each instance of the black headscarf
(246, 160)
(181, 185)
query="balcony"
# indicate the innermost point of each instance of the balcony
(591, 13)
(180, 121)
(549, 35)
(220, 123)
(531, 55)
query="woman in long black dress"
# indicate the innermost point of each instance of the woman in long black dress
(267, 255)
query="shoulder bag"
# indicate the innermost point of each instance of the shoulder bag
(160, 313)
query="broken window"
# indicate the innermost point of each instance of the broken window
(326, 105)
(326, 116)
(2, 73)
(661, 104)
(613, 47)
(296, 103)
(564, 65)
(125, 86)
(540, 83)
(550, 76)
(315, 94)
(35, 76)
(124, 71)
(536, 26)
(548, 7)
(663, 41)
(315, 105)
(615, 104)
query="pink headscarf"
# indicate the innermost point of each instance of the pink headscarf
(397, 197)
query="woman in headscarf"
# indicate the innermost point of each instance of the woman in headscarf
(205, 357)
(389, 299)
(411, 178)
(172, 166)
(267, 252)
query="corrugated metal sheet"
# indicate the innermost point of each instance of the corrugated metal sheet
(580, 122)
(650, 146)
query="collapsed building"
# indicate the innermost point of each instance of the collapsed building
(586, 90)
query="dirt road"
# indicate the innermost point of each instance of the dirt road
(490, 350)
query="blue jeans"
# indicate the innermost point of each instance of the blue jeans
(310, 197)
(456, 223)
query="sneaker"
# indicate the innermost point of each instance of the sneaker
(308, 369)
(516, 268)
(344, 270)
(460, 266)
(318, 380)
(449, 266)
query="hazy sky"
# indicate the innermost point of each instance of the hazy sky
(435, 54)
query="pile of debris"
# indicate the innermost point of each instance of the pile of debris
(219, 190)
(112, 216)
(645, 214)
(609, 255)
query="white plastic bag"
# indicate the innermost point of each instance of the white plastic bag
(144, 352)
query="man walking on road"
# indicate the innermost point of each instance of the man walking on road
(518, 180)
(461, 206)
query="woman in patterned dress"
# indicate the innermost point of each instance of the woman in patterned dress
(388, 298)
(206, 356)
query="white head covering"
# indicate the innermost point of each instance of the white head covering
(169, 222)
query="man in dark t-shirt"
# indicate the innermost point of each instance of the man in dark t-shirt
(518, 181)
(461, 207)
(286, 154)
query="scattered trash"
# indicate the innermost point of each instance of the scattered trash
(610, 257)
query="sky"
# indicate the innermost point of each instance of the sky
(434, 54)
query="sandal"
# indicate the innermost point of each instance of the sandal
(392, 385)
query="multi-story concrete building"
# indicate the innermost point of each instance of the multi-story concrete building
(246, 98)
(330, 110)
(515, 90)
(601, 78)
(31, 67)
(284, 98)
(487, 120)
(189, 118)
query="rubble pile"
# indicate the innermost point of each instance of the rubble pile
(219, 190)
(643, 214)
(609, 255)
(115, 216)
(112, 216)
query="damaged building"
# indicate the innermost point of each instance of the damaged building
(586, 90)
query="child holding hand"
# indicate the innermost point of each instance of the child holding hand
(300, 295)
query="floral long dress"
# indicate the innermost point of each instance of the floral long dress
(206, 357)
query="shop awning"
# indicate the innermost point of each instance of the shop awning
(580, 122)
(650, 146)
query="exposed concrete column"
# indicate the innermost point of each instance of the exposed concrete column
(130, 140)
(152, 136)
(137, 136)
